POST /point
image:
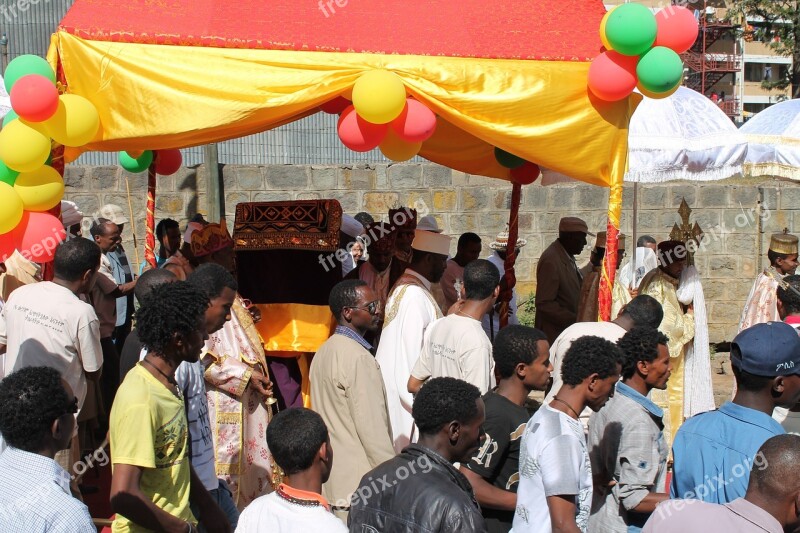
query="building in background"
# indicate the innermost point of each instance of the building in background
(728, 62)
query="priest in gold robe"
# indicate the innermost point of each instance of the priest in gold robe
(237, 385)
(678, 325)
(762, 302)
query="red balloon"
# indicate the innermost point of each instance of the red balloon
(358, 134)
(677, 28)
(37, 236)
(612, 76)
(34, 98)
(416, 123)
(7, 246)
(335, 106)
(168, 162)
(526, 174)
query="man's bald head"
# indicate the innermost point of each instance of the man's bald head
(775, 478)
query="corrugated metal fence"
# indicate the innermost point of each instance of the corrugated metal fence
(312, 140)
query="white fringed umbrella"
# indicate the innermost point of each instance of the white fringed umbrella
(5, 101)
(773, 137)
(683, 137)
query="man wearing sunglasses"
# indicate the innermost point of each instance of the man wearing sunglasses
(348, 392)
(37, 419)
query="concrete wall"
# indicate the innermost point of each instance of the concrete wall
(726, 212)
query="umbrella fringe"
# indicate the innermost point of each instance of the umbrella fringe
(772, 169)
(673, 174)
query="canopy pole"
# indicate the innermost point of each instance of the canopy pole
(633, 231)
(215, 196)
(612, 243)
(150, 226)
(511, 254)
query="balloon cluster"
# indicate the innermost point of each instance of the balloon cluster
(641, 51)
(381, 115)
(168, 162)
(522, 172)
(29, 186)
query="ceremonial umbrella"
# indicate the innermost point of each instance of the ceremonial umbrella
(685, 136)
(773, 137)
(5, 101)
(504, 74)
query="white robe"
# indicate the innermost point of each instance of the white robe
(409, 310)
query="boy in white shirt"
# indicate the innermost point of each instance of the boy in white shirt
(456, 346)
(298, 440)
(555, 488)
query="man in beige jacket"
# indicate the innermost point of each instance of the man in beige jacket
(347, 391)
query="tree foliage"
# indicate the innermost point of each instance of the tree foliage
(777, 23)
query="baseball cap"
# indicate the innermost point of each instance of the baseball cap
(768, 349)
(112, 212)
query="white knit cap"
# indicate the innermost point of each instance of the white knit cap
(70, 214)
(428, 241)
(428, 223)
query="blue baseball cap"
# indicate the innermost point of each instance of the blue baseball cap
(767, 350)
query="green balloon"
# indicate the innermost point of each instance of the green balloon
(24, 65)
(508, 159)
(11, 115)
(136, 165)
(660, 69)
(631, 29)
(8, 175)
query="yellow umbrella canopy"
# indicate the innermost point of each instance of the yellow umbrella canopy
(504, 73)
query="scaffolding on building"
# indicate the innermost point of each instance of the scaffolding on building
(706, 69)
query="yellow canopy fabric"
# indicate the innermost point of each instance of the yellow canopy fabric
(154, 96)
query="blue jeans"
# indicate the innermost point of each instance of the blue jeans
(224, 499)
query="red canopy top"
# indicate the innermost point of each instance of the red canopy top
(503, 29)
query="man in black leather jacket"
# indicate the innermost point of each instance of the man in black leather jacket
(420, 489)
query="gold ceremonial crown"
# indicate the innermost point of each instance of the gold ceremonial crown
(783, 243)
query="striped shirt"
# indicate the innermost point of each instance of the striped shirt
(35, 496)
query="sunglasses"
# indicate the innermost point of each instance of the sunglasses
(372, 308)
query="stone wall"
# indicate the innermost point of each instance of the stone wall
(726, 212)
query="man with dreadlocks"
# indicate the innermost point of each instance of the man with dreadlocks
(153, 481)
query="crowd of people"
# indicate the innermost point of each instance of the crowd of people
(420, 416)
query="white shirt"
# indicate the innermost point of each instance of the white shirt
(790, 420)
(492, 325)
(201, 448)
(605, 330)
(273, 514)
(456, 346)
(409, 310)
(553, 461)
(45, 324)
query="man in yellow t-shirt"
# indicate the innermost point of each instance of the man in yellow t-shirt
(153, 480)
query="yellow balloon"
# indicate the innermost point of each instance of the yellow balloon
(41, 189)
(658, 96)
(379, 96)
(10, 208)
(75, 122)
(603, 22)
(397, 149)
(22, 148)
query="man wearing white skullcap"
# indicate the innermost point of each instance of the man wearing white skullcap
(71, 218)
(409, 310)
